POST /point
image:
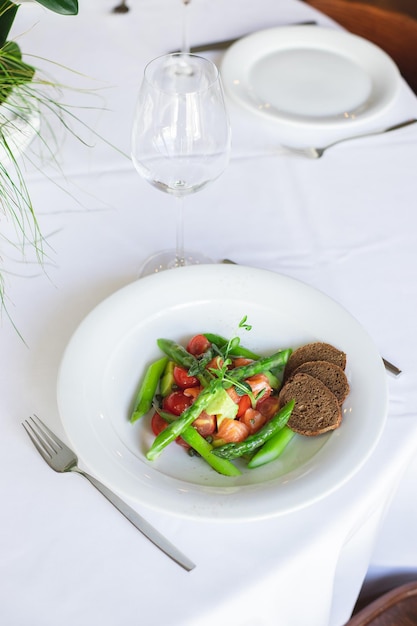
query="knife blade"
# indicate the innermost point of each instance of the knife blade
(390, 367)
(226, 43)
(142, 525)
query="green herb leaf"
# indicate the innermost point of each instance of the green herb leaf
(242, 323)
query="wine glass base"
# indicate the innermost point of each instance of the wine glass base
(167, 260)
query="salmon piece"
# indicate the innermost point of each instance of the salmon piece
(253, 419)
(232, 430)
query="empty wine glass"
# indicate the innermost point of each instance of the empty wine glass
(180, 138)
(185, 30)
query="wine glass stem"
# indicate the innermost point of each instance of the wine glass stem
(185, 15)
(179, 254)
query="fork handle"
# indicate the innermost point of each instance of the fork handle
(140, 523)
(375, 132)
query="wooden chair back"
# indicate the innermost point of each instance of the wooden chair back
(396, 33)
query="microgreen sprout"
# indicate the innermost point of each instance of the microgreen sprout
(243, 324)
(224, 361)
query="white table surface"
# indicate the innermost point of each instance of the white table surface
(345, 224)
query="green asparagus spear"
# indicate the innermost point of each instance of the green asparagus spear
(236, 350)
(147, 389)
(279, 359)
(204, 448)
(272, 448)
(186, 418)
(251, 443)
(179, 354)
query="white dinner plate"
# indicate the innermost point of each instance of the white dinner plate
(310, 75)
(110, 350)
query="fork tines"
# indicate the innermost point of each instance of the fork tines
(42, 437)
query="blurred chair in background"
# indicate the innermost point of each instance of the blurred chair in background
(395, 608)
(394, 32)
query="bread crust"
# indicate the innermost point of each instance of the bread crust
(328, 373)
(316, 409)
(316, 351)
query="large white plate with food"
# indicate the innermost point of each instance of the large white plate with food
(108, 354)
(310, 75)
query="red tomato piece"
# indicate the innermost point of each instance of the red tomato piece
(180, 441)
(198, 345)
(182, 380)
(158, 424)
(176, 402)
(244, 404)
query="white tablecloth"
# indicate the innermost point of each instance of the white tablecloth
(345, 224)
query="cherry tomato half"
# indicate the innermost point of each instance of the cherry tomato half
(198, 345)
(158, 424)
(182, 380)
(244, 404)
(176, 402)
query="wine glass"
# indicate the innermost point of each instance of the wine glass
(185, 40)
(180, 137)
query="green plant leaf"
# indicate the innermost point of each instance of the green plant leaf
(8, 12)
(13, 71)
(64, 7)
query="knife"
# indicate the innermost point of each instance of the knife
(226, 43)
(143, 525)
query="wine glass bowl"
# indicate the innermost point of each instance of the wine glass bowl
(181, 133)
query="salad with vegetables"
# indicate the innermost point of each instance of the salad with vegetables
(217, 399)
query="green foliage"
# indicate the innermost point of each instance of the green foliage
(13, 71)
(8, 12)
(9, 9)
(64, 7)
(17, 81)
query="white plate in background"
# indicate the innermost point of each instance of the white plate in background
(310, 76)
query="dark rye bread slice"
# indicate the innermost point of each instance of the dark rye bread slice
(316, 409)
(317, 351)
(328, 373)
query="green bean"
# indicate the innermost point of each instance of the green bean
(279, 359)
(186, 418)
(251, 443)
(272, 448)
(204, 448)
(179, 354)
(147, 389)
(237, 350)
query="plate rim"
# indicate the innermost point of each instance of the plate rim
(184, 509)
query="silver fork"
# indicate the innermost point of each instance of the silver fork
(316, 153)
(63, 459)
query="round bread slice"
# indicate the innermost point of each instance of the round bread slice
(317, 351)
(328, 373)
(316, 410)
